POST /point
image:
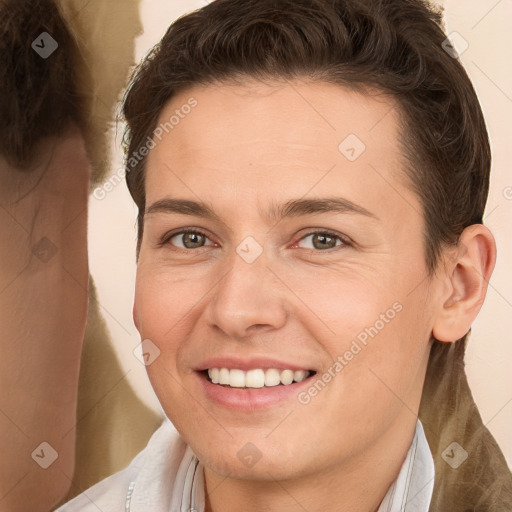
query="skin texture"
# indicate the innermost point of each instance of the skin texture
(43, 310)
(242, 150)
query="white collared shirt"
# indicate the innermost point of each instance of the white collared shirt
(167, 477)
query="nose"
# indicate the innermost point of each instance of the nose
(249, 296)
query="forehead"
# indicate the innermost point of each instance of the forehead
(257, 138)
(314, 114)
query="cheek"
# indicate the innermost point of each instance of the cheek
(384, 361)
(163, 301)
(374, 327)
(339, 302)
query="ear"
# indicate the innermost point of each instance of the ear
(465, 282)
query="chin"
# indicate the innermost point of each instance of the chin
(248, 462)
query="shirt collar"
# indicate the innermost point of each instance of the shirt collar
(172, 478)
(412, 489)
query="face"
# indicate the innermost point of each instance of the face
(280, 234)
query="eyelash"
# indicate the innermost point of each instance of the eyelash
(345, 242)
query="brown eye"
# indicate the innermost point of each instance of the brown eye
(322, 240)
(187, 239)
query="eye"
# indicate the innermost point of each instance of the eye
(195, 239)
(323, 240)
(189, 239)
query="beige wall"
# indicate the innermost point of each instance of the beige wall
(484, 25)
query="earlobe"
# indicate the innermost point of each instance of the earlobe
(465, 283)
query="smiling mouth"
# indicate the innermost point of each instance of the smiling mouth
(254, 379)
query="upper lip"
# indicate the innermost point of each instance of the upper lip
(252, 363)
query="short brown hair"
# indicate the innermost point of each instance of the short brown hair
(395, 46)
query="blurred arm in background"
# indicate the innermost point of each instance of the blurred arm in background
(68, 417)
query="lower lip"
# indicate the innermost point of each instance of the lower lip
(250, 399)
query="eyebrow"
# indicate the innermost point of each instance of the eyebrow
(292, 208)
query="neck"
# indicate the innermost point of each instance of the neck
(356, 485)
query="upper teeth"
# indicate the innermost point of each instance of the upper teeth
(255, 378)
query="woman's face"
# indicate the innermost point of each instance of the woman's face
(275, 279)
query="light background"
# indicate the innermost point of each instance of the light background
(485, 25)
